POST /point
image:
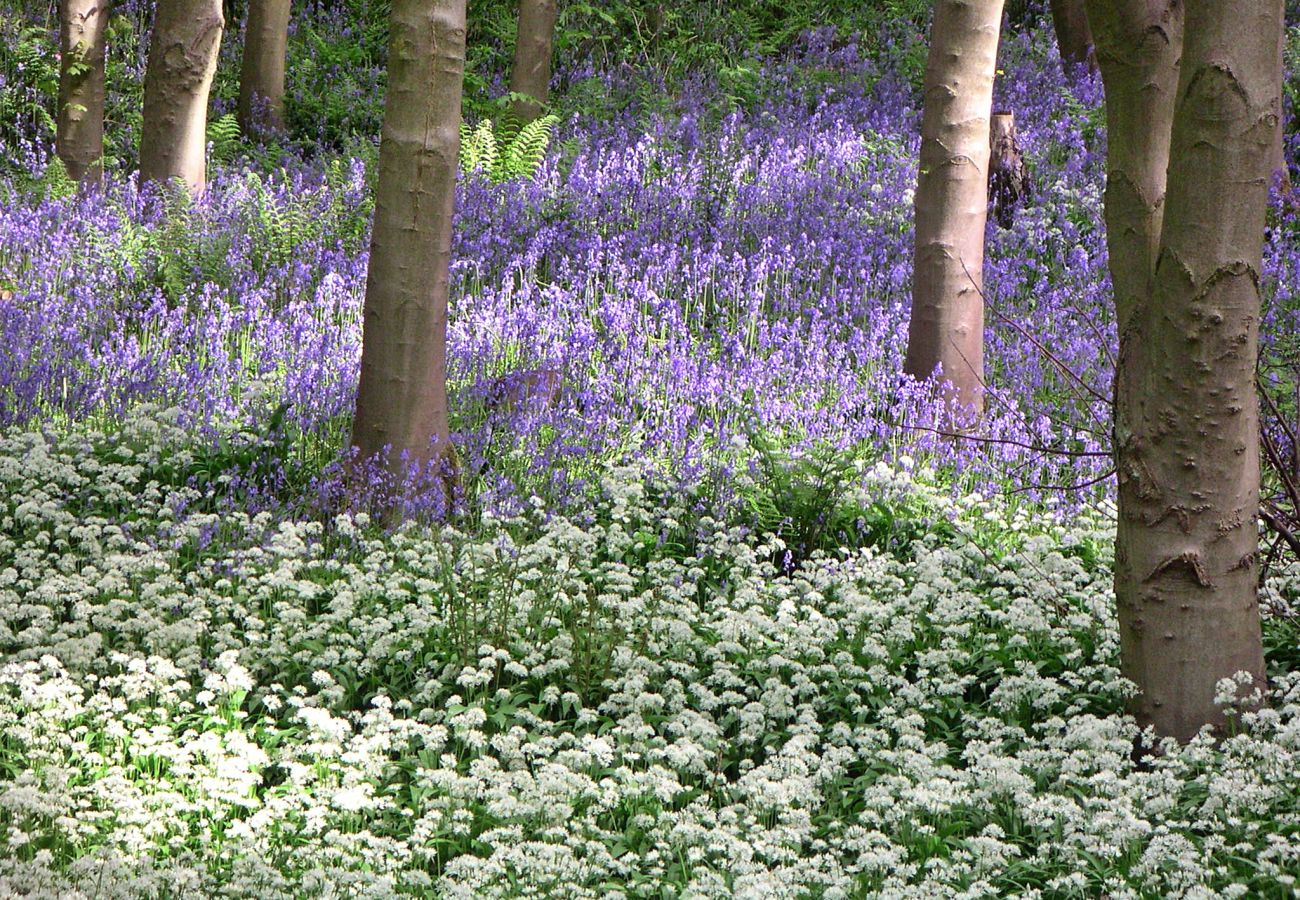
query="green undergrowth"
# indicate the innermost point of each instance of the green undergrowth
(196, 701)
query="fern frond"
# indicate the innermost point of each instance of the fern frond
(478, 148)
(502, 157)
(224, 137)
(524, 155)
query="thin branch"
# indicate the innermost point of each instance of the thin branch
(1051, 357)
(1275, 457)
(1098, 334)
(1271, 515)
(1038, 448)
(1267, 564)
(1076, 486)
(1281, 420)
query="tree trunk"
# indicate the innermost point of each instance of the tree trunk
(951, 205)
(1009, 184)
(182, 62)
(531, 74)
(401, 414)
(1073, 37)
(261, 79)
(79, 141)
(1139, 43)
(1277, 160)
(1187, 426)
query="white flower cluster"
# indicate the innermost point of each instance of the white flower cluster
(202, 705)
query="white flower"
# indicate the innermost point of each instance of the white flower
(352, 799)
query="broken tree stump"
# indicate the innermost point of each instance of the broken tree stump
(1009, 184)
(524, 389)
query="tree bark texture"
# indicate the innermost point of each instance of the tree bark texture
(1073, 37)
(1009, 183)
(182, 61)
(1139, 43)
(531, 74)
(951, 205)
(1187, 422)
(79, 140)
(261, 78)
(401, 413)
(1277, 161)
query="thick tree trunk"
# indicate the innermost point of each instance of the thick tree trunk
(531, 74)
(182, 62)
(1187, 426)
(1139, 43)
(1277, 161)
(261, 79)
(79, 141)
(951, 205)
(1073, 37)
(401, 413)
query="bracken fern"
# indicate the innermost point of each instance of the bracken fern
(502, 156)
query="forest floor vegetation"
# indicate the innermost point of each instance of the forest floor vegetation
(730, 613)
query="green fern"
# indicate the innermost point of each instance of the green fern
(224, 138)
(523, 156)
(500, 156)
(478, 148)
(54, 181)
(29, 83)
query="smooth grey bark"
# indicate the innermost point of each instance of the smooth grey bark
(1139, 43)
(261, 77)
(951, 202)
(79, 139)
(401, 412)
(1073, 37)
(1277, 160)
(1192, 110)
(531, 73)
(182, 62)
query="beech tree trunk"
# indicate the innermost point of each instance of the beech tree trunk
(401, 413)
(1073, 37)
(261, 78)
(182, 61)
(79, 140)
(951, 204)
(1277, 161)
(531, 74)
(1139, 43)
(1186, 267)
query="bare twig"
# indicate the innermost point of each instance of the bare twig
(1272, 515)
(1038, 448)
(1076, 486)
(1038, 345)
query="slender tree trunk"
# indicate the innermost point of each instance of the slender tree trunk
(1073, 37)
(1186, 270)
(531, 74)
(79, 141)
(951, 205)
(182, 62)
(261, 79)
(401, 413)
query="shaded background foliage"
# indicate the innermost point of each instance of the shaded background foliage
(714, 255)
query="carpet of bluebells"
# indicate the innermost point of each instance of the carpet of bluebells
(731, 618)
